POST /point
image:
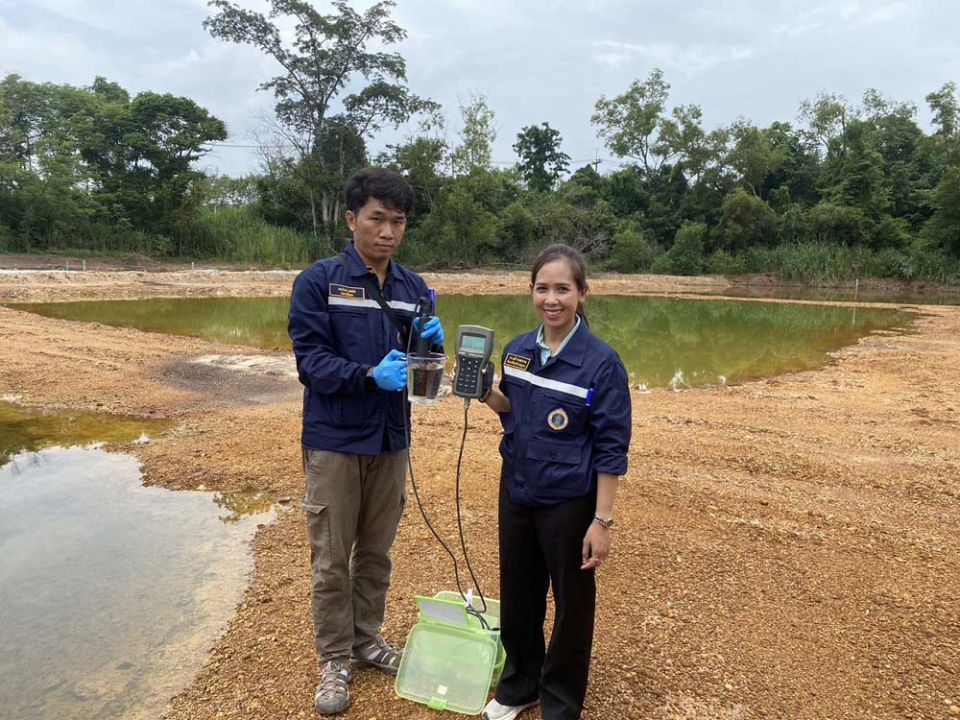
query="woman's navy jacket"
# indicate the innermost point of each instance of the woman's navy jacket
(569, 418)
(339, 332)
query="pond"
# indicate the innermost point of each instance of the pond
(705, 341)
(110, 592)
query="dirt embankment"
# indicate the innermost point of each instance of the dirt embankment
(788, 548)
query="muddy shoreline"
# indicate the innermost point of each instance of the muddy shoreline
(787, 548)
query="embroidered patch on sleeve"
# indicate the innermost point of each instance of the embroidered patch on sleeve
(347, 292)
(518, 362)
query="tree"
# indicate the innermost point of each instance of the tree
(946, 111)
(826, 119)
(541, 160)
(476, 138)
(459, 232)
(629, 122)
(752, 157)
(856, 177)
(328, 53)
(747, 222)
(685, 256)
(944, 227)
(420, 160)
(682, 136)
(141, 154)
(81, 158)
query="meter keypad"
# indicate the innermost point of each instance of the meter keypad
(468, 373)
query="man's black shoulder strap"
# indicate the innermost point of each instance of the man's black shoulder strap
(371, 287)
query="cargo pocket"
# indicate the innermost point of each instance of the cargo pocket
(318, 528)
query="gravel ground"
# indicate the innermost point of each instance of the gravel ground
(787, 548)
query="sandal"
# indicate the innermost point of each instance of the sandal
(332, 695)
(380, 654)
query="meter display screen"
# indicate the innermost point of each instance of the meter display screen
(472, 343)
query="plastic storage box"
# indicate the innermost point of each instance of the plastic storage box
(450, 660)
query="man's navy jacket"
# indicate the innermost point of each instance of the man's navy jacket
(569, 418)
(339, 332)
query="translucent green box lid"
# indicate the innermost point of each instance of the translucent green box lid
(447, 664)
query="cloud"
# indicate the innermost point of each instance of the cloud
(43, 56)
(852, 14)
(674, 59)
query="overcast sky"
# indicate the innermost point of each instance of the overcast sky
(546, 61)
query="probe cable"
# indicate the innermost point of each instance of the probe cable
(423, 512)
(416, 494)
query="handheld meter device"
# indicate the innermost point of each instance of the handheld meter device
(474, 348)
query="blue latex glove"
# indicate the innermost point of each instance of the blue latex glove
(391, 373)
(432, 331)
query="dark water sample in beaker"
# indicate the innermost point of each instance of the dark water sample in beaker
(424, 377)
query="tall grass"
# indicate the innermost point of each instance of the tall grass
(238, 235)
(824, 264)
(231, 234)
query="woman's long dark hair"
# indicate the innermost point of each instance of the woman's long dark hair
(578, 267)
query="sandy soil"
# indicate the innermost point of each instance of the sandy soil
(788, 548)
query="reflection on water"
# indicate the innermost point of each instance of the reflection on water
(656, 337)
(238, 505)
(110, 592)
(839, 294)
(24, 428)
(261, 322)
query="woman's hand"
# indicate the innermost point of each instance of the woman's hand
(596, 546)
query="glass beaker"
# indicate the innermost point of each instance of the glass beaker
(424, 377)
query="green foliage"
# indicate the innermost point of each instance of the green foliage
(856, 191)
(77, 161)
(629, 122)
(541, 161)
(632, 251)
(237, 234)
(837, 224)
(589, 229)
(420, 160)
(517, 233)
(723, 263)
(817, 263)
(943, 228)
(459, 232)
(476, 138)
(6, 240)
(946, 110)
(747, 221)
(327, 55)
(685, 256)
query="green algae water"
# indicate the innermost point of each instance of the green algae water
(661, 340)
(24, 428)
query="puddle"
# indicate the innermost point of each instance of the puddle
(110, 592)
(26, 428)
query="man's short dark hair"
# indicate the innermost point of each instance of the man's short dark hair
(387, 186)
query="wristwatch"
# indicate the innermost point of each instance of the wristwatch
(603, 522)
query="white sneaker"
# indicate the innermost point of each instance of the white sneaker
(496, 711)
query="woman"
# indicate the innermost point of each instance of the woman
(564, 403)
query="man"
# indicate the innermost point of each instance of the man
(350, 320)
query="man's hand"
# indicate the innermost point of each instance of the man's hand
(391, 373)
(432, 330)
